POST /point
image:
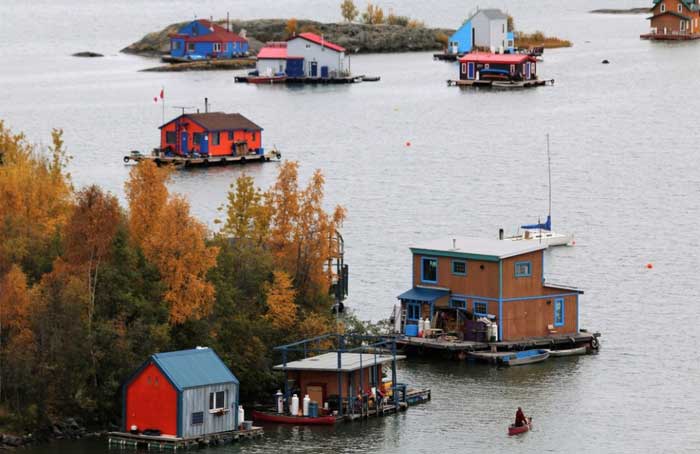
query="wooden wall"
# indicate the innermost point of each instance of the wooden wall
(481, 282)
(530, 318)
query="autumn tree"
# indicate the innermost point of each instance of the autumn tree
(173, 241)
(291, 28)
(373, 15)
(248, 212)
(280, 294)
(348, 10)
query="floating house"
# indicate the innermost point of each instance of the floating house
(273, 59)
(202, 39)
(509, 67)
(499, 281)
(213, 134)
(674, 20)
(321, 58)
(485, 29)
(183, 394)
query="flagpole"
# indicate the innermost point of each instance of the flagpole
(162, 90)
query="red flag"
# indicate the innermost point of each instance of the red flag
(162, 93)
(155, 99)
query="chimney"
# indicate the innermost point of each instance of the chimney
(500, 234)
(206, 105)
(454, 244)
(228, 22)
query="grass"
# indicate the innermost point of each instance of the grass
(538, 39)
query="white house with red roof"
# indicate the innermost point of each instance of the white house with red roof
(273, 59)
(322, 58)
(205, 39)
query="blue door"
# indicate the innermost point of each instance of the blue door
(204, 144)
(470, 70)
(183, 143)
(314, 69)
(324, 72)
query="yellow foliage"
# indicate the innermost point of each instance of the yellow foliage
(248, 212)
(14, 303)
(281, 309)
(291, 28)
(373, 15)
(348, 10)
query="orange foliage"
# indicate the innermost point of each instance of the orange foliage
(282, 311)
(173, 241)
(14, 305)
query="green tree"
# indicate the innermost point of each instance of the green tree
(348, 10)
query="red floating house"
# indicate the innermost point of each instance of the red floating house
(211, 134)
(488, 66)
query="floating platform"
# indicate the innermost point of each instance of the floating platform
(670, 37)
(500, 83)
(160, 159)
(447, 57)
(492, 351)
(127, 440)
(307, 80)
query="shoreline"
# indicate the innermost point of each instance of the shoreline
(640, 10)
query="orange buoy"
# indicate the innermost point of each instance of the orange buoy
(408, 144)
(649, 266)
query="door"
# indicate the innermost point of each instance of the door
(470, 70)
(183, 143)
(314, 69)
(204, 145)
(527, 70)
(315, 393)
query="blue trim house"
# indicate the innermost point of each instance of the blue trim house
(188, 393)
(484, 29)
(202, 39)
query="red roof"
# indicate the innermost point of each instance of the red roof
(314, 38)
(276, 53)
(220, 34)
(504, 59)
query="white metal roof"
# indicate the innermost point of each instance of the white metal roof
(328, 362)
(467, 246)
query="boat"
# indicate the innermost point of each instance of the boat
(569, 351)
(277, 418)
(542, 231)
(525, 357)
(514, 430)
(266, 79)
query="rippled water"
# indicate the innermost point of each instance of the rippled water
(626, 180)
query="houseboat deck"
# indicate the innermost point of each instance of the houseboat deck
(446, 57)
(312, 80)
(670, 36)
(169, 443)
(201, 161)
(500, 84)
(464, 349)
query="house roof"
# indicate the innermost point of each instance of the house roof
(672, 13)
(220, 121)
(690, 4)
(314, 38)
(424, 294)
(218, 34)
(492, 13)
(566, 288)
(328, 362)
(505, 59)
(275, 53)
(476, 248)
(193, 368)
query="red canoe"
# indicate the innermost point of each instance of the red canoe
(513, 430)
(297, 420)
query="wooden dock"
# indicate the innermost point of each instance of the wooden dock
(451, 348)
(125, 440)
(312, 80)
(500, 83)
(670, 37)
(161, 159)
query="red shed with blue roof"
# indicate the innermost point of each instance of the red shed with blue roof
(187, 393)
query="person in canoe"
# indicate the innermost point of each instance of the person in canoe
(520, 419)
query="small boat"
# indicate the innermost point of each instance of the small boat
(371, 78)
(514, 430)
(542, 231)
(266, 79)
(525, 357)
(569, 351)
(296, 420)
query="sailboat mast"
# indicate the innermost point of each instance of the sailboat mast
(549, 167)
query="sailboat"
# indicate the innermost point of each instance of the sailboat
(542, 231)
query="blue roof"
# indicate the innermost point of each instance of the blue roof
(424, 294)
(194, 368)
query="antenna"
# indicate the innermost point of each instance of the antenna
(182, 108)
(549, 168)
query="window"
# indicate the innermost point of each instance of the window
(176, 45)
(197, 138)
(197, 417)
(230, 135)
(459, 267)
(413, 311)
(559, 312)
(461, 304)
(170, 137)
(217, 400)
(428, 270)
(486, 66)
(464, 68)
(215, 138)
(253, 135)
(190, 47)
(523, 269)
(503, 28)
(217, 47)
(663, 7)
(480, 308)
(680, 8)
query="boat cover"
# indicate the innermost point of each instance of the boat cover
(426, 295)
(547, 225)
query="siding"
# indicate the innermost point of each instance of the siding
(151, 402)
(197, 399)
(324, 56)
(268, 67)
(329, 382)
(530, 318)
(477, 282)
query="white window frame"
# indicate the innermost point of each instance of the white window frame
(663, 7)
(217, 47)
(214, 404)
(680, 8)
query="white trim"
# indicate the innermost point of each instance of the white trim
(663, 7)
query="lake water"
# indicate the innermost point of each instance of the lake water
(626, 178)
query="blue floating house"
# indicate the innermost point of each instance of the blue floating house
(485, 29)
(201, 39)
